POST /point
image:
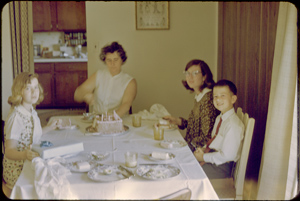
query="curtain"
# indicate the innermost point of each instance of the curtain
(18, 11)
(278, 171)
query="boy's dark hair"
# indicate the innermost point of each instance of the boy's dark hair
(115, 46)
(231, 85)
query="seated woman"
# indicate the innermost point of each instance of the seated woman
(199, 80)
(109, 89)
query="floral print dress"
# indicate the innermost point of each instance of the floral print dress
(25, 127)
(200, 122)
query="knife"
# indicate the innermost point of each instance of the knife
(128, 171)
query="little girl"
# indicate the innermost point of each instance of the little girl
(22, 126)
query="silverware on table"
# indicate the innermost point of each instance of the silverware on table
(130, 173)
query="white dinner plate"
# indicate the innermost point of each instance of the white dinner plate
(72, 127)
(106, 173)
(74, 168)
(157, 171)
(173, 144)
(172, 156)
(89, 131)
(98, 156)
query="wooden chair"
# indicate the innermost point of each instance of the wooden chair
(232, 188)
(183, 194)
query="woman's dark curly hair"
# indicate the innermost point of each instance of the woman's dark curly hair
(115, 46)
(209, 82)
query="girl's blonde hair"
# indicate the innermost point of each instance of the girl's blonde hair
(19, 84)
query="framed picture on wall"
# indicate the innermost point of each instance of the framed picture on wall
(152, 15)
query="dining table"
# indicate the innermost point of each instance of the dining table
(188, 172)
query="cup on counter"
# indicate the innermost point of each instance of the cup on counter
(136, 121)
(131, 159)
(158, 132)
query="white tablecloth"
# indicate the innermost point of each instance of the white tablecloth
(136, 139)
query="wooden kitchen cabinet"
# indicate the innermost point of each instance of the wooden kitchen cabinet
(60, 81)
(68, 76)
(71, 15)
(58, 16)
(45, 72)
(42, 17)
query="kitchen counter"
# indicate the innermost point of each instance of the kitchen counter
(59, 60)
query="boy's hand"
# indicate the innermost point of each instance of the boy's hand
(199, 154)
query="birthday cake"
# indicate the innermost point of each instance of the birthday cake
(108, 124)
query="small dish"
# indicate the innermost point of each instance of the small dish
(75, 167)
(98, 156)
(173, 144)
(171, 157)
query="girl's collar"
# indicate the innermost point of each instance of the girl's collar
(24, 111)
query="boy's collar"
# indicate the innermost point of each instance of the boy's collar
(227, 114)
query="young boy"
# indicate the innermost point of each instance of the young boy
(220, 153)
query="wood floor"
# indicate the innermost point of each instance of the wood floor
(250, 189)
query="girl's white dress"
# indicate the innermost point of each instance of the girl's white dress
(25, 127)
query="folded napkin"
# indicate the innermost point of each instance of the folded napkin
(50, 179)
(156, 112)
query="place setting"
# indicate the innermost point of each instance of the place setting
(160, 156)
(85, 161)
(65, 124)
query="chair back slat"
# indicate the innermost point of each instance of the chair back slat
(240, 113)
(242, 162)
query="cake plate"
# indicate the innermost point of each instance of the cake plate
(91, 131)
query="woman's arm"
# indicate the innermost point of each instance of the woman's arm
(51, 125)
(128, 98)
(85, 92)
(12, 153)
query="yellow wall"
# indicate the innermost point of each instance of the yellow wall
(6, 62)
(156, 58)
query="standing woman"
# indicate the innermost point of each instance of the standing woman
(109, 89)
(199, 125)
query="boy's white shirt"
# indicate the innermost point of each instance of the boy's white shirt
(14, 124)
(228, 141)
